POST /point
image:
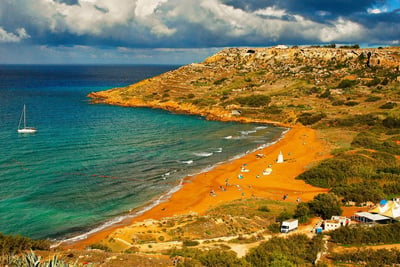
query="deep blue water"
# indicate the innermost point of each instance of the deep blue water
(88, 164)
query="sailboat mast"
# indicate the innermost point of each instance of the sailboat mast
(24, 117)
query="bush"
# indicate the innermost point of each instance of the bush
(100, 247)
(338, 103)
(373, 98)
(367, 235)
(295, 250)
(220, 81)
(346, 84)
(351, 103)
(264, 209)
(391, 122)
(374, 82)
(190, 243)
(359, 193)
(325, 94)
(362, 120)
(310, 118)
(10, 244)
(254, 100)
(325, 206)
(388, 105)
(272, 110)
(274, 228)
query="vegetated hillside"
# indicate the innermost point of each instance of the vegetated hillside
(350, 95)
(285, 85)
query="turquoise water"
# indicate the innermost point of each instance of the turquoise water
(89, 164)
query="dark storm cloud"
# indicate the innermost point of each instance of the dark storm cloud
(196, 23)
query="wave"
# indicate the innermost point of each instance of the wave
(187, 161)
(165, 175)
(203, 154)
(218, 150)
(247, 132)
(228, 137)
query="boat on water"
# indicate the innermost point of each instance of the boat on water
(22, 119)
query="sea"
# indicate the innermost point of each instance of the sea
(92, 165)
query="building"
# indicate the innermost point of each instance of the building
(367, 217)
(335, 222)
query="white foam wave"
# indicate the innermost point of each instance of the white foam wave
(247, 132)
(219, 150)
(228, 137)
(187, 161)
(203, 154)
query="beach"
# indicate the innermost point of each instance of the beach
(240, 178)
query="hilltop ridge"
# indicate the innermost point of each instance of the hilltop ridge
(290, 81)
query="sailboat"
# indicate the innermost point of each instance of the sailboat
(25, 129)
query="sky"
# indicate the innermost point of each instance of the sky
(183, 31)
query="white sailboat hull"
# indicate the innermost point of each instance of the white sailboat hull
(27, 130)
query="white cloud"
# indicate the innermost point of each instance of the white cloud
(271, 11)
(341, 30)
(375, 10)
(9, 37)
(147, 7)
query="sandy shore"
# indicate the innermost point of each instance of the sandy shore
(300, 148)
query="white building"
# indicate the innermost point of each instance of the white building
(335, 222)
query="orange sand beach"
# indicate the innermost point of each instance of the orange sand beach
(241, 178)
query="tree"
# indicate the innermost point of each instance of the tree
(302, 212)
(325, 205)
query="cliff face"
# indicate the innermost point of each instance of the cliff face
(294, 80)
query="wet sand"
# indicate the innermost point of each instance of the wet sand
(241, 178)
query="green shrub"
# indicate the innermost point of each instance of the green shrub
(254, 100)
(338, 170)
(274, 227)
(272, 110)
(310, 118)
(391, 122)
(338, 103)
(362, 120)
(346, 84)
(367, 235)
(10, 244)
(220, 81)
(264, 209)
(190, 243)
(359, 193)
(351, 103)
(100, 247)
(388, 105)
(373, 98)
(374, 82)
(325, 94)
